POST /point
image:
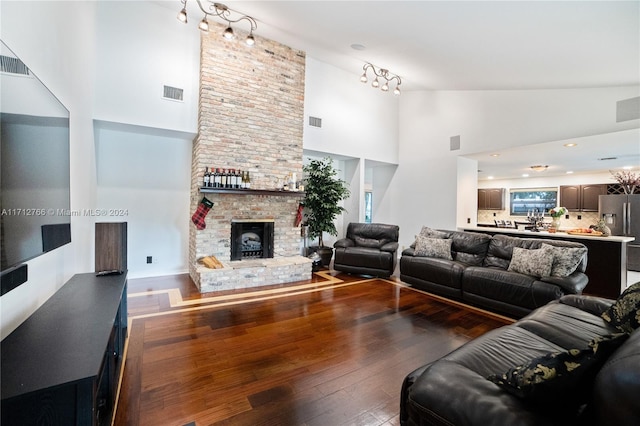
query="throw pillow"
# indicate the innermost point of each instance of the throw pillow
(432, 233)
(536, 263)
(565, 259)
(624, 314)
(559, 378)
(433, 247)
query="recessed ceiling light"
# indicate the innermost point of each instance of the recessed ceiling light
(570, 144)
(490, 177)
(569, 172)
(539, 168)
(495, 155)
(358, 46)
(525, 175)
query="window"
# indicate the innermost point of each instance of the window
(368, 201)
(532, 199)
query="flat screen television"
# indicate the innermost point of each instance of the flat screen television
(34, 170)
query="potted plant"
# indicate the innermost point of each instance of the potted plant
(323, 192)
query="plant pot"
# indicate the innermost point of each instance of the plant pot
(326, 253)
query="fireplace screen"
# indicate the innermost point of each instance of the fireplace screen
(251, 240)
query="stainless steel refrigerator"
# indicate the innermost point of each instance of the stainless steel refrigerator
(621, 213)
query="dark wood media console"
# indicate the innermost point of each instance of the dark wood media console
(62, 365)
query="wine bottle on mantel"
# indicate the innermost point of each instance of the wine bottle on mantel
(248, 183)
(223, 178)
(217, 178)
(235, 179)
(206, 178)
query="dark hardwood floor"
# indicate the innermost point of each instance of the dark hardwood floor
(330, 351)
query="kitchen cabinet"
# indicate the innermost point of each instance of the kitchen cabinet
(581, 198)
(491, 199)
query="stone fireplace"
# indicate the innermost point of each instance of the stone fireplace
(250, 119)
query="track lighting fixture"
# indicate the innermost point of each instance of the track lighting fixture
(381, 73)
(222, 12)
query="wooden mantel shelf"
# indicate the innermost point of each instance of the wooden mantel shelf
(252, 192)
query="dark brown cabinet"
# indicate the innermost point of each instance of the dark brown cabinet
(491, 199)
(61, 367)
(582, 198)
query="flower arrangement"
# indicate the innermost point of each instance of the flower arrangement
(558, 211)
(627, 179)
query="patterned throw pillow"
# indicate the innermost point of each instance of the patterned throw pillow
(559, 378)
(565, 259)
(433, 247)
(432, 233)
(624, 314)
(536, 263)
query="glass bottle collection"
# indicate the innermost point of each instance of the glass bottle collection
(238, 179)
(226, 178)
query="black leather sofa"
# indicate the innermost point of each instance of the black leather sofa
(454, 389)
(478, 273)
(367, 249)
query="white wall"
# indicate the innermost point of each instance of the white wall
(357, 120)
(144, 179)
(359, 128)
(142, 47)
(108, 61)
(56, 41)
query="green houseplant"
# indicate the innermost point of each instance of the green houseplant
(323, 192)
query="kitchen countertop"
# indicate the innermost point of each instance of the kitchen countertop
(559, 234)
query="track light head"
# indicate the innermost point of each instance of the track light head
(250, 40)
(204, 25)
(182, 15)
(228, 33)
(375, 83)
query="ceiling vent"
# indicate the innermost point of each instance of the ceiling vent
(315, 121)
(13, 65)
(173, 93)
(628, 109)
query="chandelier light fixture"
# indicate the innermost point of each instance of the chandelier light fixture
(384, 75)
(223, 12)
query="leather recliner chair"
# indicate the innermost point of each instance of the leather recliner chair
(368, 249)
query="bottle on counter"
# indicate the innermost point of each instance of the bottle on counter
(248, 182)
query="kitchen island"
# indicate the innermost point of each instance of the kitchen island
(606, 263)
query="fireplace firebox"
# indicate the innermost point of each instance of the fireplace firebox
(251, 239)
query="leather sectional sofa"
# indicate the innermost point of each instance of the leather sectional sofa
(479, 269)
(456, 390)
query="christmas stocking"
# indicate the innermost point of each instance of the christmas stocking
(201, 212)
